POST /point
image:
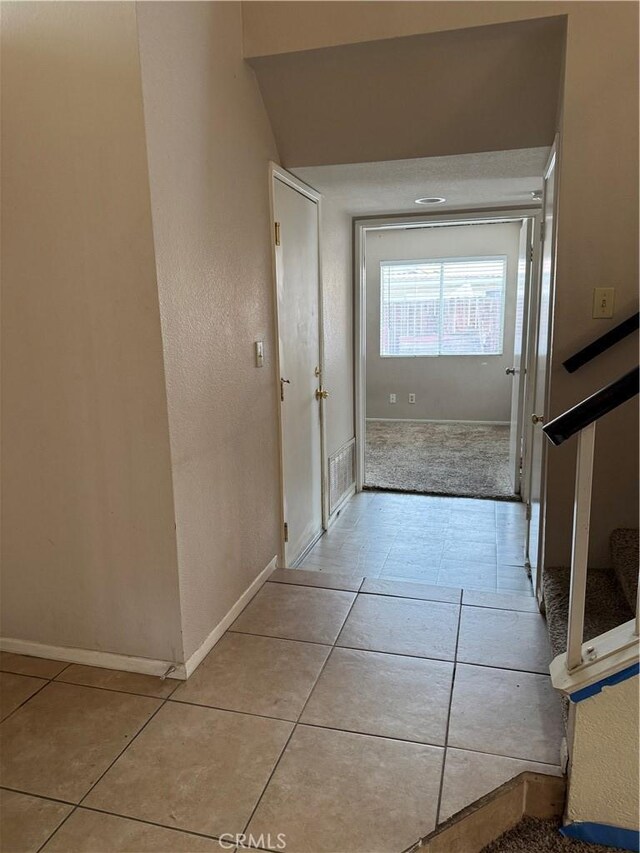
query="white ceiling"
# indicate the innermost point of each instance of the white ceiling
(489, 179)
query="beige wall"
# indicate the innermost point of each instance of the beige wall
(209, 143)
(604, 764)
(482, 89)
(598, 197)
(276, 26)
(598, 243)
(89, 549)
(337, 281)
(471, 388)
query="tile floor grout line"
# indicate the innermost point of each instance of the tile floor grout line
(142, 820)
(28, 699)
(501, 755)
(278, 637)
(270, 777)
(126, 817)
(60, 825)
(327, 727)
(230, 710)
(118, 690)
(296, 723)
(446, 731)
(163, 702)
(43, 677)
(38, 796)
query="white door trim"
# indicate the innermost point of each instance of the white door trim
(553, 163)
(276, 172)
(362, 226)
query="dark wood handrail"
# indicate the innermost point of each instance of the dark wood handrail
(602, 343)
(594, 407)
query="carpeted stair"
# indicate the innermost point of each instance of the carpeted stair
(624, 558)
(610, 599)
(611, 593)
(542, 836)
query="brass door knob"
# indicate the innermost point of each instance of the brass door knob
(537, 419)
(321, 394)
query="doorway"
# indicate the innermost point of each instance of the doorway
(443, 309)
(298, 309)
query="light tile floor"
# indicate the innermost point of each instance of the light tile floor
(348, 715)
(459, 542)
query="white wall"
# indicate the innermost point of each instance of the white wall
(604, 765)
(89, 545)
(446, 387)
(209, 143)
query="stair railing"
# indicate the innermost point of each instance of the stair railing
(582, 419)
(602, 344)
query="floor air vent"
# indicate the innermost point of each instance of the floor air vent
(342, 473)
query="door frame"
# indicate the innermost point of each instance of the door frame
(553, 162)
(276, 172)
(361, 228)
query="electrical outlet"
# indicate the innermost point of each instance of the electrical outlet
(392, 398)
(603, 298)
(412, 398)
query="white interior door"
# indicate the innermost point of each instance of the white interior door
(538, 442)
(518, 369)
(299, 341)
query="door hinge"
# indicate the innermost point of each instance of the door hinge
(542, 231)
(528, 512)
(531, 254)
(286, 532)
(276, 228)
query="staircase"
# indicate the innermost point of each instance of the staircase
(611, 593)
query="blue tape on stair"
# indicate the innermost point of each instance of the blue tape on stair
(597, 686)
(601, 833)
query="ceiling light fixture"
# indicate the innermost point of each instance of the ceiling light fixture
(431, 200)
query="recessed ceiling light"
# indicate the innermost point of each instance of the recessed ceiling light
(435, 199)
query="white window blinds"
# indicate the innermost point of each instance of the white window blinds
(453, 306)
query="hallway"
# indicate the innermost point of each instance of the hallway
(339, 712)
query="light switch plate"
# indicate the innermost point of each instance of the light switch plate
(603, 299)
(259, 353)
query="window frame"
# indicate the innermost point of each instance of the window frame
(459, 259)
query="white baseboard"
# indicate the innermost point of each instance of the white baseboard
(88, 657)
(435, 421)
(128, 663)
(200, 653)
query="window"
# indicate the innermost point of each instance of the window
(451, 306)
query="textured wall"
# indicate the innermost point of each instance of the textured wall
(89, 553)
(604, 777)
(209, 142)
(473, 388)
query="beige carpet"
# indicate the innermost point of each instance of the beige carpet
(537, 835)
(467, 460)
